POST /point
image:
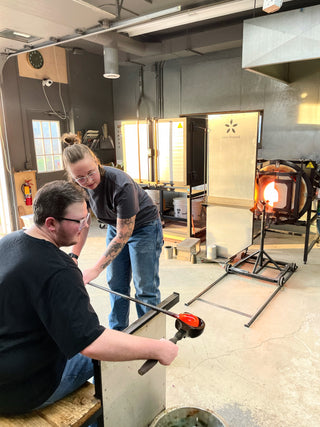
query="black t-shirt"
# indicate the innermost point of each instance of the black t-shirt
(119, 196)
(45, 318)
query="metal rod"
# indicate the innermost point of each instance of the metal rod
(205, 290)
(153, 307)
(263, 233)
(243, 260)
(276, 267)
(306, 240)
(253, 318)
(254, 275)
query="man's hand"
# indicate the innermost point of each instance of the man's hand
(169, 353)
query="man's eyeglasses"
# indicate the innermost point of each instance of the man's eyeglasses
(83, 179)
(82, 222)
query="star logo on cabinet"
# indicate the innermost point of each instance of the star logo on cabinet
(231, 126)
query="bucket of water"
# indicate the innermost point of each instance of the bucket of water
(188, 417)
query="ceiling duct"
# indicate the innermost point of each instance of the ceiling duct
(126, 44)
(272, 43)
(111, 63)
(189, 16)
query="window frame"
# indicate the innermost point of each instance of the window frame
(46, 141)
(31, 161)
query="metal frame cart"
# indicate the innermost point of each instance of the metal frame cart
(261, 261)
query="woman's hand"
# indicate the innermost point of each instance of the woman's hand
(90, 274)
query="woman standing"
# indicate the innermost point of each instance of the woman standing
(134, 234)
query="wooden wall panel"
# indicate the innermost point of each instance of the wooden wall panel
(54, 67)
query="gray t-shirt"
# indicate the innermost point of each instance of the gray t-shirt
(119, 196)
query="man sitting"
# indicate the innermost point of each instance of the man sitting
(48, 330)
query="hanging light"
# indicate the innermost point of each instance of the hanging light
(111, 63)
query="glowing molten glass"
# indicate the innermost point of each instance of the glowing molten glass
(270, 194)
(189, 319)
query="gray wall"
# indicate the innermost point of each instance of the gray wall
(90, 93)
(126, 93)
(217, 83)
(87, 99)
(207, 84)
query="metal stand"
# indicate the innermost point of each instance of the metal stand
(261, 261)
(307, 246)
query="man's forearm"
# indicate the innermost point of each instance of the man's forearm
(118, 346)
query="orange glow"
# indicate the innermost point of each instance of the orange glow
(270, 194)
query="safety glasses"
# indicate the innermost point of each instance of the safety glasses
(82, 222)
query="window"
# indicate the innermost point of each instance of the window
(47, 143)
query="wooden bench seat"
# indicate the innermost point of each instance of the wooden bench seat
(72, 411)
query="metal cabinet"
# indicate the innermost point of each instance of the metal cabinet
(163, 151)
(165, 155)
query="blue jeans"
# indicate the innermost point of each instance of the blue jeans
(139, 259)
(76, 372)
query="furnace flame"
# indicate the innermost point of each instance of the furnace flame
(271, 194)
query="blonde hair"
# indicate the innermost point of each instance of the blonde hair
(73, 151)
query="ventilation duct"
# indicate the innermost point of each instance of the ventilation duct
(111, 63)
(272, 43)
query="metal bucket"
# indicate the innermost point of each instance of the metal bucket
(168, 252)
(187, 416)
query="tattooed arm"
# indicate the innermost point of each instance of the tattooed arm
(125, 229)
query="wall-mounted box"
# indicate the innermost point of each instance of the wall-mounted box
(54, 65)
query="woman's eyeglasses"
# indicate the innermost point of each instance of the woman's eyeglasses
(83, 179)
(82, 222)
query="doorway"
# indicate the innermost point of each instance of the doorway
(6, 225)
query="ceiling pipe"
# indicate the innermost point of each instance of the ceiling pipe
(102, 28)
(126, 44)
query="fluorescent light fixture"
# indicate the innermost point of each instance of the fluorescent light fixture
(111, 64)
(18, 36)
(192, 15)
(144, 18)
(27, 36)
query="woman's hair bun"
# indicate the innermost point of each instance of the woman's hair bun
(70, 139)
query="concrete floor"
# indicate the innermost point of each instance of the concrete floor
(265, 375)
